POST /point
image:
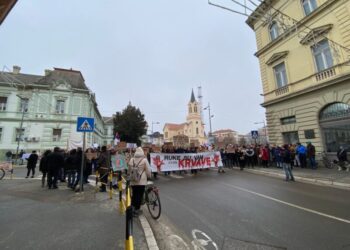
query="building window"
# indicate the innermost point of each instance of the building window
(309, 6)
(60, 107)
(3, 102)
(23, 107)
(323, 56)
(19, 134)
(166, 134)
(0, 133)
(190, 109)
(280, 75)
(195, 108)
(56, 134)
(290, 137)
(288, 120)
(273, 31)
(197, 131)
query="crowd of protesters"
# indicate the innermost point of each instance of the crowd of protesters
(65, 166)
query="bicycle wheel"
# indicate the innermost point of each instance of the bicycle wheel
(2, 173)
(153, 204)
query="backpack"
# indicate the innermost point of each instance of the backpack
(135, 176)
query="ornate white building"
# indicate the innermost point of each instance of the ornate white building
(46, 107)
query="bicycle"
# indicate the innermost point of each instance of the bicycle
(335, 163)
(5, 166)
(151, 199)
(327, 162)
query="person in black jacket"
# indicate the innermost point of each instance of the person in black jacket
(286, 162)
(43, 167)
(32, 161)
(55, 161)
(70, 167)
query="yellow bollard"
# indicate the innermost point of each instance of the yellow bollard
(129, 243)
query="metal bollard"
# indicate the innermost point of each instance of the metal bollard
(96, 182)
(129, 242)
(110, 178)
(120, 186)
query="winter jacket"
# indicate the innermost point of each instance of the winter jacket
(55, 161)
(143, 167)
(43, 166)
(32, 160)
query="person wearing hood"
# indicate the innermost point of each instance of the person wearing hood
(138, 170)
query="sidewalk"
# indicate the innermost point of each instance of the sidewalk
(37, 218)
(320, 176)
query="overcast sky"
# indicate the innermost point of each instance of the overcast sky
(151, 53)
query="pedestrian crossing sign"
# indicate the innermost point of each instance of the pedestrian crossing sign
(85, 124)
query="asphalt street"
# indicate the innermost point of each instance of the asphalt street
(36, 218)
(240, 210)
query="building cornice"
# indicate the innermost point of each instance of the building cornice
(329, 83)
(294, 28)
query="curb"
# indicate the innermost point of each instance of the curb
(328, 183)
(151, 240)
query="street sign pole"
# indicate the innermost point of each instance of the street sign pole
(82, 164)
(84, 124)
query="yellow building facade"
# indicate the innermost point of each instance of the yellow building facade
(304, 52)
(192, 130)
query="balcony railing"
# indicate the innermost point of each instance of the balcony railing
(282, 90)
(325, 74)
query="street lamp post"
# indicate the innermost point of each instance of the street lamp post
(20, 128)
(152, 130)
(210, 116)
(263, 122)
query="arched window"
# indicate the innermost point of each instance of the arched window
(197, 131)
(336, 110)
(190, 109)
(273, 30)
(195, 108)
(309, 6)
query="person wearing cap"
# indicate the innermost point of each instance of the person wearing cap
(140, 162)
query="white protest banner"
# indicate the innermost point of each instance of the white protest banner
(118, 162)
(172, 162)
(131, 145)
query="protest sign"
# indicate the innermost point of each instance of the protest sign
(173, 162)
(118, 162)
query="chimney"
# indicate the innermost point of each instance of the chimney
(47, 72)
(16, 69)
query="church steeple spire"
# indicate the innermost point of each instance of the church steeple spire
(193, 98)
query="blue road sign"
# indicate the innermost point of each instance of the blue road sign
(255, 134)
(85, 124)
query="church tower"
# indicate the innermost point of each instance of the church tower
(195, 129)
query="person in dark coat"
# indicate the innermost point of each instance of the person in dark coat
(78, 162)
(32, 161)
(286, 161)
(70, 167)
(43, 167)
(55, 161)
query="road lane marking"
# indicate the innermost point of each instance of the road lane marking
(200, 243)
(289, 204)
